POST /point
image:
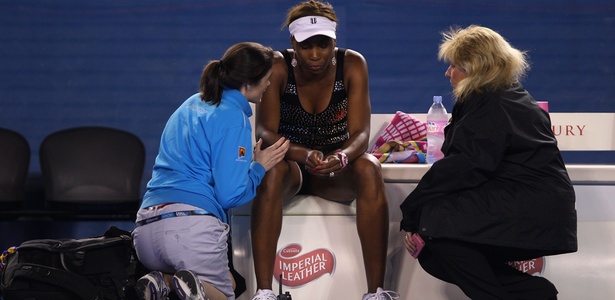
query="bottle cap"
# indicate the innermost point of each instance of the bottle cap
(437, 99)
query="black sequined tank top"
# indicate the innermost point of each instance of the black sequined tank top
(324, 131)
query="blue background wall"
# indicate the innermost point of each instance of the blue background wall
(128, 64)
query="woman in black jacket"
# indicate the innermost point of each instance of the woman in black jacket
(501, 193)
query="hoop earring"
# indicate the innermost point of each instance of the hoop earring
(293, 62)
(334, 61)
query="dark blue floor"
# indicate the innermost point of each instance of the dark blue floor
(15, 230)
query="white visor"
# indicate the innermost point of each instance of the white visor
(306, 27)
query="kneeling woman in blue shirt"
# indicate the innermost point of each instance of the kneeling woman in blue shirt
(205, 166)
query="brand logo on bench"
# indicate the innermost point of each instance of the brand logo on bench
(298, 269)
(568, 129)
(531, 266)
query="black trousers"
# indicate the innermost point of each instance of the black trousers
(482, 271)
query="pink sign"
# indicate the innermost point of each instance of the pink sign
(531, 266)
(296, 269)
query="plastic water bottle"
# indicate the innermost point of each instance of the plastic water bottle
(437, 118)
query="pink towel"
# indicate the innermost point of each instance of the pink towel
(404, 127)
(403, 140)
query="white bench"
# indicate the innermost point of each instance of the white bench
(315, 223)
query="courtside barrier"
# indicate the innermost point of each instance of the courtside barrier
(319, 254)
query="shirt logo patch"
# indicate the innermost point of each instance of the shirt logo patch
(241, 152)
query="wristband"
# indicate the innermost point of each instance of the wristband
(343, 158)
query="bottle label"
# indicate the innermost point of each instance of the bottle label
(436, 126)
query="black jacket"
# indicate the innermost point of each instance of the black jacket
(502, 181)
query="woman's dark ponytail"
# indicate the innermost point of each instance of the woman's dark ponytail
(211, 82)
(242, 64)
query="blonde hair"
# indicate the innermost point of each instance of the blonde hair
(489, 61)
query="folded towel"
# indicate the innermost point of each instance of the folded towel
(402, 152)
(403, 127)
(403, 140)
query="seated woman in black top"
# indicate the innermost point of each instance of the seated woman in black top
(319, 100)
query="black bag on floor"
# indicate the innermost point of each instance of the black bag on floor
(104, 267)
